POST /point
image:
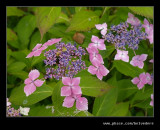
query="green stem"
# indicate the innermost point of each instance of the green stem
(68, 11)
(104, 10)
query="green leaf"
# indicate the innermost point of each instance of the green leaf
(41, 110)
(24, 29)
(16, 66)
(106, 53)
(14, 11)
(125, 89)
(63, 18)
(9, 52)
(57, 100)
(91, 86)
(104, 104)
(20, 74)
(83, 21)
(144, 104)
(144, 11)
(127, 69)
(18, 96)
(46, 17)
(11, 35)
(78, 9)
(120, 109)
(37, 59)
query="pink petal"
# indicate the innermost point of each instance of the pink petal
(103, 70)
(135, 80)
(82, 104)
(66, 80)
(152, 96)
(104, 25)
(92, 45)
(37, 47)
(151, 103)
(101, 46)
(52, 41)
(104, 31)
(92, 49)
(96, 60)
(37, 52)
(65, 91)
(125, 58)
(140, 64)
(117, 57)
(143, 78)
(140, 85)
(76, 81)
(99, 26)
(151, 61)
(68, 102)
(29, 89)
(99, 75)
(76, 90)
(134, 62)
(94, 39)
(143, 57)
(28, 81)
(38, 82)
(92, 69)
(43, 48)
(34, 74)
(30, 55)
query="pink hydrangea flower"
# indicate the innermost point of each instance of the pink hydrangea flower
(151, 103)
(94, 56)
(81, 102)
(8, 103)
(52, 41)
(133, 20)
(36, 51)
(98, 43)
(138, 60)
(32, 83)
(122, 55)
(99, 70)
(149, 79)
(140, 81)
(148, 27)
(102, 27)
(71, 86)
(150, 37)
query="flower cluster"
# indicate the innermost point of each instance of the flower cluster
(11, 112)
(73, 93)
(96, 59)
(144, 78)
(64, 61)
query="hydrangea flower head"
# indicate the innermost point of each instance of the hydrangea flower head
(138, 60)
(133, 20)
(24, 110)
(71, 86)
(102, 27)
(140, 81)
(32, 83)
(81, 102)
(99, 70)
(37, 50)
(122, 55)
(94, 56)
(98, 43)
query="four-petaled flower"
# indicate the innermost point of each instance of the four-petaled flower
(32, 83)
(133, 20)
(102, 27)
(71, 86)
(122, 55)
(138, 60)
(37, 50)
(52, 41)
(94, 56)
(140, 81)
(151, 103)
(81, 102)
(99, 70)
(98, 43)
